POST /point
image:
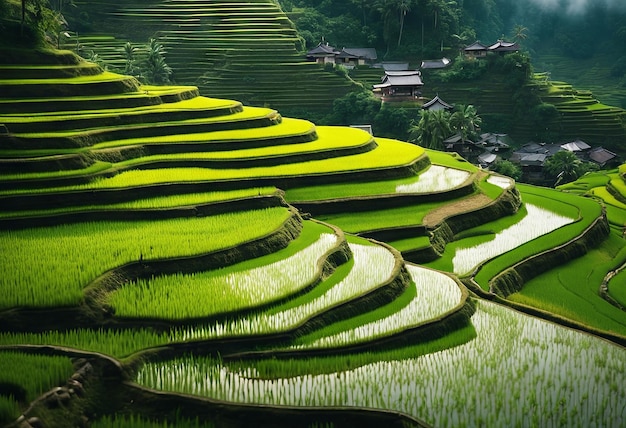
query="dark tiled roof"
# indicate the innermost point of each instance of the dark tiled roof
(476, 46)
(435, 63)
(601, 155)
(367, 53)
(432, 104)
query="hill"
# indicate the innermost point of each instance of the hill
(205, 260)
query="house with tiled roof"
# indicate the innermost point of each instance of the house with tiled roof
(323, 53)
(478, 50)
(437, 104)
(400, 85)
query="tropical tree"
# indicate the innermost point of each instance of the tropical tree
(432, 128)
(466, 121)
(520, 33)
(565, 166)
(404, 6)
(156, 69)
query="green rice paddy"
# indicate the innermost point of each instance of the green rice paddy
(302, 317)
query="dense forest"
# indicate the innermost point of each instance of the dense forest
(425, 28)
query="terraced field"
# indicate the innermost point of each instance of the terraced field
(231, 49)
(198, 262)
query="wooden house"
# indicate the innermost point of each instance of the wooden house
(324, 54)
(400, 85)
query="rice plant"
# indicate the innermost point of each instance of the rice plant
(208, 293)
(373, 266)
(436, 179)
(518, 371)
(10, 409)
(117, 343)
(437, 294)
(34, 374)
(537, 222)
(389, 154)
(50, 266)
(139, 421)
(179, 200)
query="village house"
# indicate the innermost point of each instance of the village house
(324, 54)
(477, 50)
(437, 104)
(400, 85)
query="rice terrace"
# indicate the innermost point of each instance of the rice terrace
(172, 259)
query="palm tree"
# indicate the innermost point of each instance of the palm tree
(565, 166)
(403, 6)
(432, 128)
(466, 121)
(519, 33)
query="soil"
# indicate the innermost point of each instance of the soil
(471, 203)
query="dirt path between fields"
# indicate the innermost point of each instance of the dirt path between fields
(470, 203)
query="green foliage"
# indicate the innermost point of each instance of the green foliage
(432, 128)
(357, 107)
(508, 168)
(466, 121)
(565, 166)
(156, 70)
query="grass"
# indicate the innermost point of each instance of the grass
(50, 266)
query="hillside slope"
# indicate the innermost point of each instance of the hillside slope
(169, 248)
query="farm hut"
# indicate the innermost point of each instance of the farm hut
(400, 85)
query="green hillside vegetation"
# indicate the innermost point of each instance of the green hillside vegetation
(249, 51)
(206, 259)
